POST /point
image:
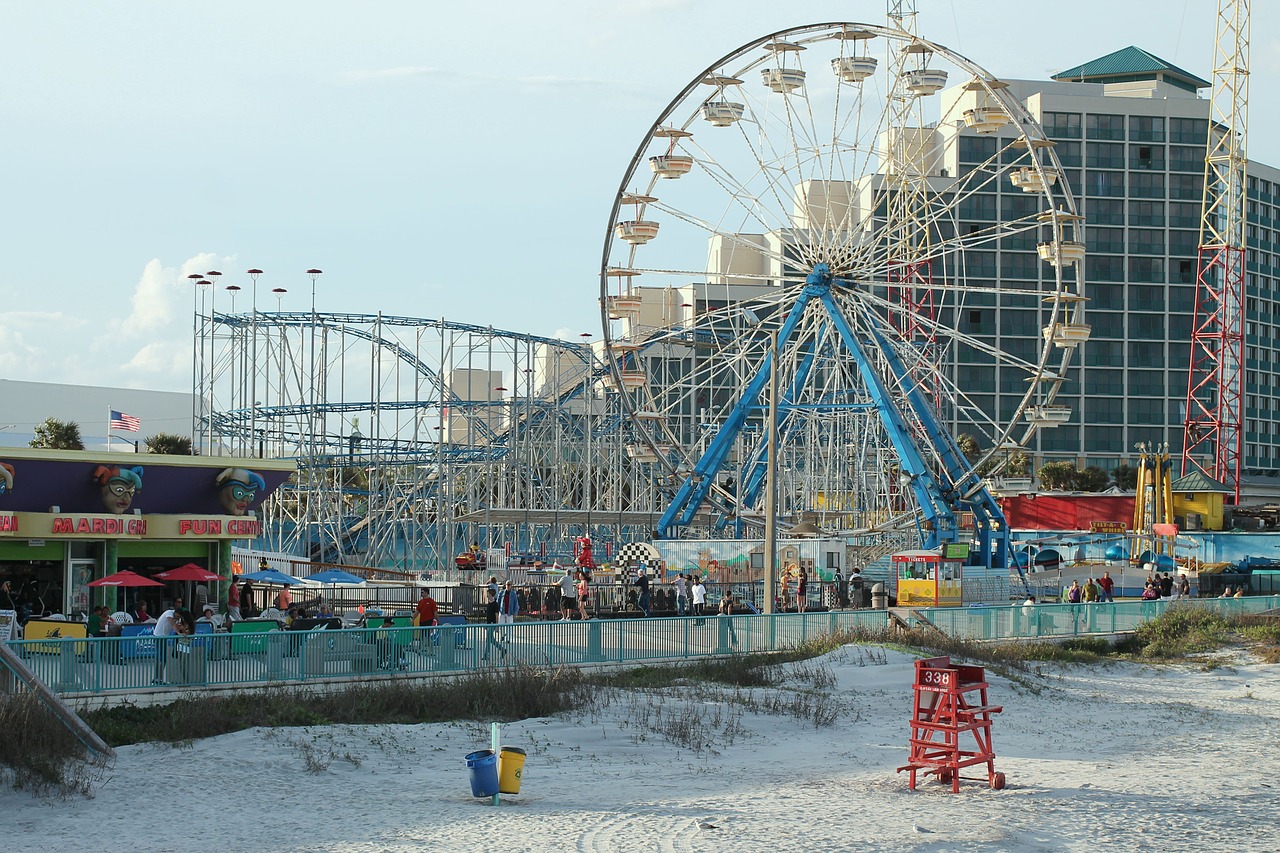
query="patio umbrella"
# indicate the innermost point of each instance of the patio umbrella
(124, 578)
(189, 572)
(270, 576)
(333, 577)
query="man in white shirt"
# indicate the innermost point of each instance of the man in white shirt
(568, 594)
(699, 597)
(166, 627)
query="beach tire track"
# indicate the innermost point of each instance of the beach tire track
(630, 832)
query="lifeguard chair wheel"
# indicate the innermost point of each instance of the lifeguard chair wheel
(997, 781)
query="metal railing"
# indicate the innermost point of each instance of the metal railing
(1018, 621)
(94, 666)
(128, 664)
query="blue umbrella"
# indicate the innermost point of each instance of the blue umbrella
(270, 576)
(334, 576)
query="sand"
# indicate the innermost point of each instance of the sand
(1115, 757)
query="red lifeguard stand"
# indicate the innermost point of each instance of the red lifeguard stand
(950, 706)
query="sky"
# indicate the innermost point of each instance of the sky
(454, 160)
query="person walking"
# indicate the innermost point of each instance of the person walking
(1105, 587)
(1090, 591)
(491, 625)
(1184, 587)
(165, 632)
(682, 595)
(802, 592)
(642, 583)
(233, 603)
(842, 589)
(427, 609)
(726, 614)
(508, 604)
(1074, 593)
(583, 588)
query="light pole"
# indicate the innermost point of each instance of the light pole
(197, 348)
(233, 337)
(253, 359)
(770, 480)
(210, 360)
(313, 408)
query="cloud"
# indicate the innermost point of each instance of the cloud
(147, 346)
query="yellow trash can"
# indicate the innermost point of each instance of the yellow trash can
(510, 767)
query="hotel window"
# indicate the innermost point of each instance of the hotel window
(1144, 185)
(1185, 158)
(1068, 153)
(1103, 211)
(1146, 269)
(1148, 213)
(1104, 127)
(1146, 157)
(1192, 130)
(1146, 241)
(1106, 184)
(1186, 186)
(1064, 125)
(1105, 155)
(1109, 240)
(1146, 128)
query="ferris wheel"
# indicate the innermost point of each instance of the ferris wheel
(879, 223)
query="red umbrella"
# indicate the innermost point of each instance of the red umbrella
(189, 572)
(124, 578)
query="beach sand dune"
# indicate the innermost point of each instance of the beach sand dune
(1115, 757)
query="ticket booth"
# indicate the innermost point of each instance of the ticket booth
(928, 578)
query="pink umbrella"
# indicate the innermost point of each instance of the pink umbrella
(189, 572)
(124, 578)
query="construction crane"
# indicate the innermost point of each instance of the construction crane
(1214, 436)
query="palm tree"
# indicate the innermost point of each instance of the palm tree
(54, 434)
(169, 444)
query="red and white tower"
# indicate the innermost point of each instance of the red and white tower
(1213, 440)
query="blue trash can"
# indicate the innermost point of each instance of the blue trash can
(483, 768)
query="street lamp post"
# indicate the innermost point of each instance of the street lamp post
(253, 366)
(313, 409)
(770, 480)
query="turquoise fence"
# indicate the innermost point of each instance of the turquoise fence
(126, 664)
(1019, 621)
(74, 667)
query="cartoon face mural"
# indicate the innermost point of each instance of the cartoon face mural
(6, 478)
(237, 489)
(118, 486)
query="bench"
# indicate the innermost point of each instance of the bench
(322, 647)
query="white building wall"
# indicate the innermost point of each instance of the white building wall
(25, 404)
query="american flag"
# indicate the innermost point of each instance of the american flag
(128, 423)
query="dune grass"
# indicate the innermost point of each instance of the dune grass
(49, 759)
